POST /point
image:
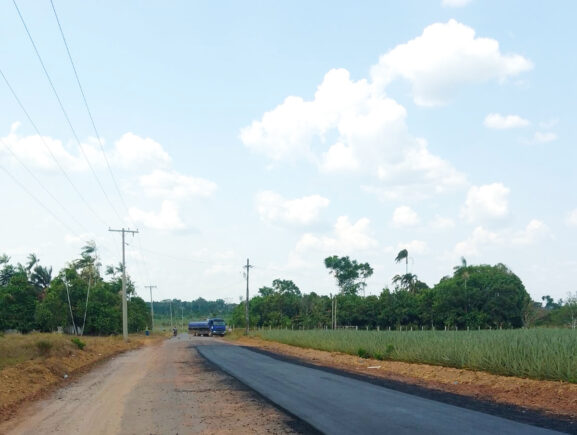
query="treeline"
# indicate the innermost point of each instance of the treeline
(473, 297)
(78, 298)
(198, 309)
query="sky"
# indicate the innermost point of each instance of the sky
(286, 132)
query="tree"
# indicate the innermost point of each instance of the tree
(18, 303)
(349, 274)
(403, 255)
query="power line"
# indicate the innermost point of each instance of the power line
(97, 134)
(64, 110)
(49, 150)
(88, 108)
(55, 199)
(64, 224)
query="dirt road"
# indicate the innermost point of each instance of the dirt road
(163, 389)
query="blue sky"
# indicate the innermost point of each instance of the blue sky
(287, 132)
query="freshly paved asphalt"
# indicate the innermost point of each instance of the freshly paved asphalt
(336, 404)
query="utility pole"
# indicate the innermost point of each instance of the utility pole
(124, 306)
(248, 266)
(150, 287)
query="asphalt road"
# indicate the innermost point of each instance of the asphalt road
(336, 404)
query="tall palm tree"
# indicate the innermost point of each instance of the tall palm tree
(403, 254)
(408, 281)
(462, 270)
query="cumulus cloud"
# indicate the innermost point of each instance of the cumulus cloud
(480, 237)
(572, 218)
(172, 185)
(273, 208)
(369, 131)
(500, 122)
(455, 3)
(489, 201)
(405, 216)
(42, 152)
(445, 57)
(132, 151)
(534, 232)
(166, 219)
(347, 237)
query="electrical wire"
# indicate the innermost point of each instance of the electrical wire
(86, 105)
(50, 151)
(64, 224)
(64, 110)
(88, 108)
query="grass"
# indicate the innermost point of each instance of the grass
(18, 348)
(530, 353)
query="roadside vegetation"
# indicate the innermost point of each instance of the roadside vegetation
(472, 297)
(79, 299)
(529, 353)
(31, 364)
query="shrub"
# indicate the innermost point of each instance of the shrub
(363, 353)
(79, 343)
(44, 346)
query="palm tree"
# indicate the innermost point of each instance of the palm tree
(403, 254)
(408, 281)
(462, 271)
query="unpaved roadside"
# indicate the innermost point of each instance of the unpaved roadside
(160, 389)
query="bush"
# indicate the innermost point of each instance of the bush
(363, 353)
(79, 343)
(44, 347)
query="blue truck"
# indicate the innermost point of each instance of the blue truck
(210, 327)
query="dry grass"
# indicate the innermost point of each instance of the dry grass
(33, 364)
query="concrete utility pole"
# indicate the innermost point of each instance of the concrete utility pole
(150, 287)
(124, 306)
(248, 266)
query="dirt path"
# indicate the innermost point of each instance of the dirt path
(164, 389)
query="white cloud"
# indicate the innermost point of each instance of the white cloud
(546, 137)
(405, 216)
(42, 152)
(489, 201)
(572, 218)
(132, 151)
(167, 219)
(478, 239)
(347, 238)
(339, 157)
(534, 232)
(455, 3)
(500, 122)
(445, 57)
(369, 131)
(273, 208)
(172, 185)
